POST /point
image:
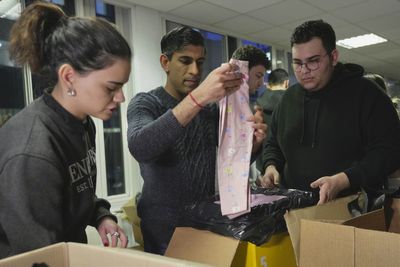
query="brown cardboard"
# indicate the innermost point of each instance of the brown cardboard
(359, 242)
(81, 255)
(202, 246)
(333, 211)
(130, 210)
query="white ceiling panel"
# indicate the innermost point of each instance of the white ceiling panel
(243, 24)
(285, 12)
(367, 10)
(333, 4)
(392, 21)
(243, 6)
(334, 21)
(348, 31)
(390, 34)
(370, 50)
(388, 54)
(204, 12)
(162, 5)
(274, 35)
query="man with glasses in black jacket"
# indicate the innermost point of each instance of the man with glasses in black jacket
(334, 130)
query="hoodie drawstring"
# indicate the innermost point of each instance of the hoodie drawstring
(314, 134)
(304, 120)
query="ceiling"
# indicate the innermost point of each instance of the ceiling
(272, 22)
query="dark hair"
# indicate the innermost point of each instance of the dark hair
(178, 38)
(378, 79)
(315, 28)
(253, 55)
(45, 38)
(278, 76)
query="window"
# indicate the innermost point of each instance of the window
(12, 97)
(112, 132)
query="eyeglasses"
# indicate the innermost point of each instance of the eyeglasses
(312, 64)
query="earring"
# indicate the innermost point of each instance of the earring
(71, 92)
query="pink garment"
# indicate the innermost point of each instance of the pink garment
(256, 200)
(235, 144)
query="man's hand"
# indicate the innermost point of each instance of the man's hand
(219, 83)
(270, 179)
(330, 186)
(260, 129)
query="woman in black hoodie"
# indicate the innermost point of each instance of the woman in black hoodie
(47, 159)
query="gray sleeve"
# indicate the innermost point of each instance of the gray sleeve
(31, 205)
(150, 131)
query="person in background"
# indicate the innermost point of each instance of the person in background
(258, 65)
(47, 159)
(378, 79)
(335, 131)
(278, 82)
(173, 134)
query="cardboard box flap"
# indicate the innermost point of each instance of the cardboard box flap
(130, 209)
(333, 210)
(209, 248)
(374, 220)
(328, 235)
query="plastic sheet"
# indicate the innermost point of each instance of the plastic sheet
(258, 225)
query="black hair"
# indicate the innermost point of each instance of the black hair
(278, 76)
(45, 38)
(253, 55)
(315, 28)
(378, 79)
(178, 38)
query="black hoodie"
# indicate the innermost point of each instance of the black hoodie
(350, 125)
(47, 178)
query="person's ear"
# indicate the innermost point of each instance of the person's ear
(66, 75)
(164, 61)
(335, 56)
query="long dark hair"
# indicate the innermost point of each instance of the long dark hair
(45, 38)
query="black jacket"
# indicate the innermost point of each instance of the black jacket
(47, 178)
(350, 125)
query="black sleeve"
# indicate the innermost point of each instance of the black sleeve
(272, 153)
(380, 128)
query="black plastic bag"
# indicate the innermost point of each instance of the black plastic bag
(258, 225)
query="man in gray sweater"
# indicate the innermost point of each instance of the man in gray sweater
(173, 134)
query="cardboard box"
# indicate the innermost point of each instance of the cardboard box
(130, 210)
(359, 242)
(217, 250)
(81, 255)
(333, 211)
(201, 246)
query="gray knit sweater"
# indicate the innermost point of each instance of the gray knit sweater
(177, 163)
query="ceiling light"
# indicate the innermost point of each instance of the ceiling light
(360, 41)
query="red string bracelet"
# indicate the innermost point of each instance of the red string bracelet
(195, 101)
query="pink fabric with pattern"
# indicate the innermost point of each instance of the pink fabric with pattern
(235, 144)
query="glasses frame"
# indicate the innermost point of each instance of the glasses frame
(298, 66)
